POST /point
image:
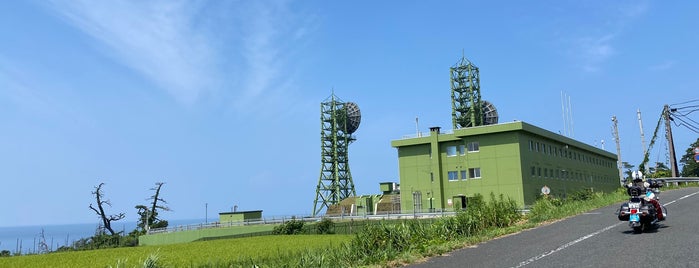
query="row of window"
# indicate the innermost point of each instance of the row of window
(473, 173)
(562, 174)
(564, 152)
(471, 146)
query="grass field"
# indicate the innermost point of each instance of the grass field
(195, 254)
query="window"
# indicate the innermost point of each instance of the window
(453, 176)
(463, 175)
(431, 177)
(473, 146)
(417, 200)
(531, 145)
(474, 173)
(533, 171)
(451, 151)
(462, 150)
(539, 172)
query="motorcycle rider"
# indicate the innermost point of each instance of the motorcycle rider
(639, 181)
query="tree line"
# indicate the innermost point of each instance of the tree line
(690, 167)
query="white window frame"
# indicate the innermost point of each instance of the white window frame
(472, 173)
(474, 145)
(452, 175)
(451, 151)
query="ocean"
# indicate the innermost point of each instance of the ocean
(26, 239)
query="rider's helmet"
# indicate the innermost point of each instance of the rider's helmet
(637, 176)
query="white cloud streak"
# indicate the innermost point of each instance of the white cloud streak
(270, 35)
(156, 38)
(239, 51)
(595, 49)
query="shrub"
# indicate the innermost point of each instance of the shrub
(326, 226)
(289, 228)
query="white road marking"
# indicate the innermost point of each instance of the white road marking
(544, 255)
(533, 259)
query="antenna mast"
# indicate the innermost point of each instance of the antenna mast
(643, 137)
(618, 149)
(563, 112)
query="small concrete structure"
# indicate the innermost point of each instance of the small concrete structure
(240, 216)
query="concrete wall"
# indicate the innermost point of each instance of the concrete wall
(194, 235)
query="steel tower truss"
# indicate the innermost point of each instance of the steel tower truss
(335, 182)
(466, 107)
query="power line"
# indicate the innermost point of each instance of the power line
(684, 102)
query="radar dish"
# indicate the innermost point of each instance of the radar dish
(490, 114)
(354, 117)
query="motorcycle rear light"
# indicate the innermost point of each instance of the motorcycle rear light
(634, 211)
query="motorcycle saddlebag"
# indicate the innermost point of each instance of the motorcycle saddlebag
(624, 207)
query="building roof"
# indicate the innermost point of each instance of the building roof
(240, 212)
(499, 128)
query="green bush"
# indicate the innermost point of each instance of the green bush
(325, 226)
(289, 228)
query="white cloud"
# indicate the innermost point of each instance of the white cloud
(271, 34)
(662, 66)
(238, 51)
(595, 51)
(597, 46)
(156, 38)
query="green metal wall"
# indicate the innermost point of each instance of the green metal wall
(505, 160)
(184, 236)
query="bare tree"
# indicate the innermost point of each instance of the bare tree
(149, 216)
(106, 219)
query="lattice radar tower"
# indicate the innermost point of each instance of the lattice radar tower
(338, 120)
(468, 110)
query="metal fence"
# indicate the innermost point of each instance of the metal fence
(281, 220)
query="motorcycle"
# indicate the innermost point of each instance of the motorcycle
(639, 211)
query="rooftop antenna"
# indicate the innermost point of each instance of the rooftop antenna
(563, 112)
(567, 112)
(417, 127)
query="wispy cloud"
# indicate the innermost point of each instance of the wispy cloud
(662, 66)
(595, 51)
(238, 51)
(156, 38)
(596, 46)
(25, 97)
(272, 33)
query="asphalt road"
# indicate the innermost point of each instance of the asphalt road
(594, 239)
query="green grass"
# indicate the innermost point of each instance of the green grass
(379, 243)
(196, 254)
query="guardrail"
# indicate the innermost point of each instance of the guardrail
(679, 179)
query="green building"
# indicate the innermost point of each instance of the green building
(519, 160)
(240, 216)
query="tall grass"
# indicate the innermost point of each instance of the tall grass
(382, 243)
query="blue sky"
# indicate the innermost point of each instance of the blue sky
(221, 99)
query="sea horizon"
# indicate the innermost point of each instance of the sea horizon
(26, 239)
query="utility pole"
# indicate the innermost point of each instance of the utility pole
(643, 137)
(671, 145)
(618, 149)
